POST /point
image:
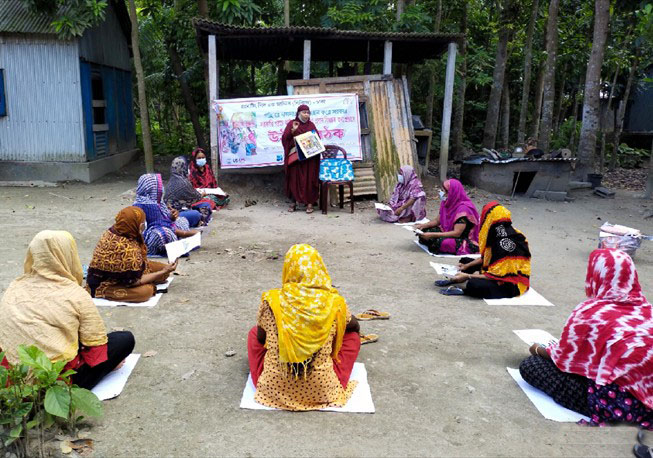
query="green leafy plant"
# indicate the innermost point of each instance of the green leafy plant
(632, 158)
(34, 393)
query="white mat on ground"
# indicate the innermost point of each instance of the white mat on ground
(164, 286)
(531, 297)
(183, 246)
(543, 402)
(421, 221)
(360, 401)
(113, 384)
(151, 302)
(456, 256)
(445, 270)
(535, 336)
(215, 191)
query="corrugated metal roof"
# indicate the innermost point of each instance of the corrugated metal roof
(15, 17)
(327, 44)
(220, 29)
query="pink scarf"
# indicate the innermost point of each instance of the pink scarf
(457, 205)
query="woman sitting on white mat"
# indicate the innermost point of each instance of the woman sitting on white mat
(47, 307)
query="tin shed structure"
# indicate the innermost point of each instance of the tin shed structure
(65, 105)
(387, 132)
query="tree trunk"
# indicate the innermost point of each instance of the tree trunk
(548, 83)
(177, 67)
(528, 57)
(574, 116)
(505, 117)
(494, 103)
(587, 143)
(459, 113)
(400, 8)
(286, 13)
(622, 112)
(142, 96)
(557, 117)
(649, 183)
(203, 8)
(537, 109)
(602, 121)
(430, 97)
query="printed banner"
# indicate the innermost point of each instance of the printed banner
(250, 130)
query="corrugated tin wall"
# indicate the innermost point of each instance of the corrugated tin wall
(105, 44)
(391, 134)
(44, 109)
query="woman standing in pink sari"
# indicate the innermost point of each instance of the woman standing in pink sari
(408, 200)
(455, 230)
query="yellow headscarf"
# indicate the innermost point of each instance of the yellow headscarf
(46, 306)
(306, 306)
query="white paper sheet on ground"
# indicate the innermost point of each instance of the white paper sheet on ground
(531, 297)
(114, 382)
(151, 302)
(214, 191)
(445, 269)
(535, 336)
(413, 230)
(165, 285)
(360, 401)
(421, 221)
(456, 256)
(380, 206)
(543, 402)
(183, 246)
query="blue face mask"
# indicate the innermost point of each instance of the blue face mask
(400, 178)
(443, 196)
(201, 162)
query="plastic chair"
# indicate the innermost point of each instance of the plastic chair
(331, 152)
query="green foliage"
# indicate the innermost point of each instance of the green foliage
(35, 391)
(632, 158)
(70, 18)
(562, 137)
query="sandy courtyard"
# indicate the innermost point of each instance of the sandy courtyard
(437, 374)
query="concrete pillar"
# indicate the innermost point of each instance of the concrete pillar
(447, 109)
(387, 58)
(307, 59)
(214, 84)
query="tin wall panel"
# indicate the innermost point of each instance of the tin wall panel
(43, 95)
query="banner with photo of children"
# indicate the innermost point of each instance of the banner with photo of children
(250, 129)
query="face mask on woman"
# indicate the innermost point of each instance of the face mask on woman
(143, 227)
(201, 162)
(443, 196)
(400, 178)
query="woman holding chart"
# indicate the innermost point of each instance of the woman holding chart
(302, 177)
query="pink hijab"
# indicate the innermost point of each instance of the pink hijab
(457, 205)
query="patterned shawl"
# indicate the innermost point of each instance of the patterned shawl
(609, 337)
(457, 205)
(201, 177)
(121, 254)
(411, 188)
(179, 190)
(148, 199)
(505, 252)
(46, 306)
(306, 306)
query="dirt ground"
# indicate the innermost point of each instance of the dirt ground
(438, 373)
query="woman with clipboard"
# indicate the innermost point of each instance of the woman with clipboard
(302, 176)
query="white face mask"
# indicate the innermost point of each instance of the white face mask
(443, 196)
(400, 178)
(201, 162)
(144, 227)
